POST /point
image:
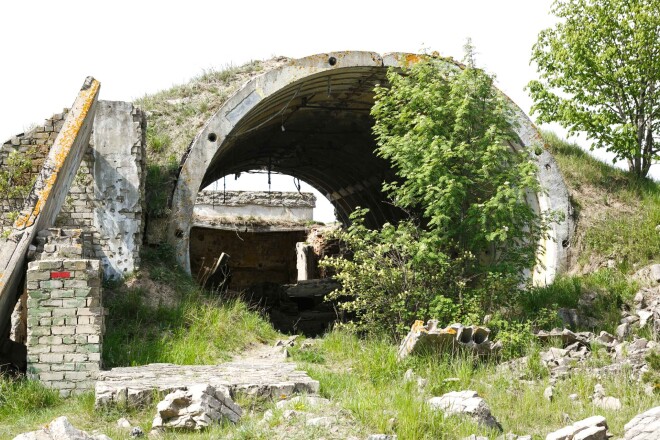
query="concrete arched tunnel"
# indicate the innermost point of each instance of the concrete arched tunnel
(310, 118)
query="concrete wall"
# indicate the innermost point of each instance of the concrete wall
(275, 206)
(107, 198)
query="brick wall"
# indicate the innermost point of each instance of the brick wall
(64, 314)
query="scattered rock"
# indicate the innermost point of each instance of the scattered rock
(644, 426)
(573, 397)
(196, 408)
(475, 437)
(60, 429)
(601, 400)
(382, 437)
(623, 331)
(424, 338)
(547, 393)
(137, 432)
(592, 428)
(123, 423)
(465, 403)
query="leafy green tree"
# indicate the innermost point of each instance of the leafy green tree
(448, 134)
(599, 73)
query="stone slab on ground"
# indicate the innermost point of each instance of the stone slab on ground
(645, 426)
(268, 378)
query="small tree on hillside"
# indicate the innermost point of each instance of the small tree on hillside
(447, 133)
(600, 74)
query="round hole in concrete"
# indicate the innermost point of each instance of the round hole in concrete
(213, 137)
(332, 61)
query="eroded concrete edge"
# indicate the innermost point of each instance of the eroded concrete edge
(48, 194)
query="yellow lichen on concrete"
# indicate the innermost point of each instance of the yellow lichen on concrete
(62, 147)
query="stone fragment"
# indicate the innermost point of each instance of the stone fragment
(196, 408)
(60, 429)
(123, 423)
(465, 403)
(592, 428)
(644, 426)
(622, 331)
(644, 316)
(137, 432)
(548, 393)
(382, 437)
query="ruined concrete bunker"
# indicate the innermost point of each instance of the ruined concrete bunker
(310, 118)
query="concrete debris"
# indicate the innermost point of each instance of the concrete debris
(644, 426)
(430, 338)
(196, 408)
(592, 428)
(267, 377)
(60, 429)
(465, 403)
(123, 423)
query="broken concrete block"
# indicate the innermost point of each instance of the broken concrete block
(196, 408)
(424, 338)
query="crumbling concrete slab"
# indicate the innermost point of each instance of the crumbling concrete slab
(135, 386)
(48, 194)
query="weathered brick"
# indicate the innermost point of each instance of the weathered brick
(38, 349)
(76, 357)
(50, 340)
(68, 339)
(51, 375)
(50, 265)
(74, 302)
(66, 366)
(75, 264)
(52, 284)
(51, 358)
(64, 312)
(56, 294)
(76, 375)
(63, 330)
(38, 294)
(39, 331)
(37, 275)
(83, 292)
(75, 283)
(93, 339)
(60, 320)
(53, 303)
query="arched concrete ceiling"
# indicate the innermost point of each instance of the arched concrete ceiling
(310, 119)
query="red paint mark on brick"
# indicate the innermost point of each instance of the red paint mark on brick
(55, 275)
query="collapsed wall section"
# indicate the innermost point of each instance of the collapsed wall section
(106, 197)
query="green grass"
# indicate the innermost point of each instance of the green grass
(617, 212)
(200, 329)
(364, 376)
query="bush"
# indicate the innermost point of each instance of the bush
(471, 234)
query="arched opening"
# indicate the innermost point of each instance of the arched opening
(310, 119)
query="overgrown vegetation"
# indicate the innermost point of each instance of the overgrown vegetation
(471, 234)
(188, 326)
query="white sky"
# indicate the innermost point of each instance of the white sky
(137, 47)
